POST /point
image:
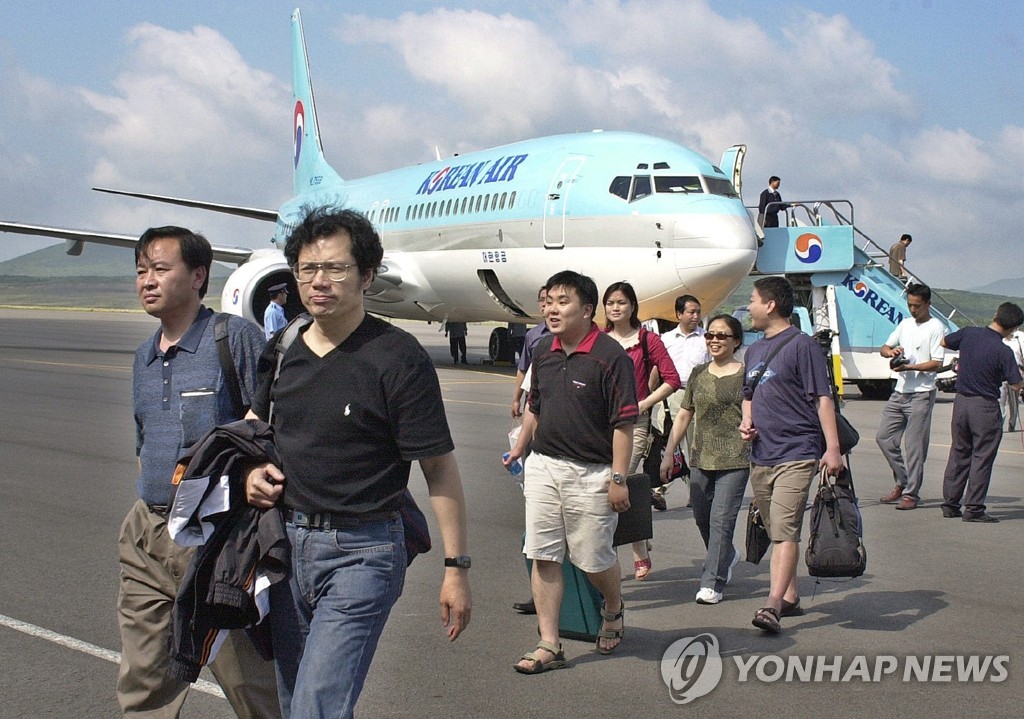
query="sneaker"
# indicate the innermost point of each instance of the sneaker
(732, 564)
(707, 595)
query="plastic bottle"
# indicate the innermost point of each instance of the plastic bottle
(515, 469)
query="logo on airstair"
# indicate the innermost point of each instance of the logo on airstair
(859, 289)
(809, 248)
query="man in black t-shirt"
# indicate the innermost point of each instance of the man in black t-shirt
(356, 402)
(977, 424)
(582, 408)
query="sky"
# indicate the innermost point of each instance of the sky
(909, 109)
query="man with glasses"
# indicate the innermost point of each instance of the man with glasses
(356, 401)
(914, 350)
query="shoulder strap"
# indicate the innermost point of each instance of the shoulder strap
(647, 355)
(227, 363)
(285, 338)
(769, 358)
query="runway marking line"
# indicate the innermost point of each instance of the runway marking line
(67, 364)
(91, 649)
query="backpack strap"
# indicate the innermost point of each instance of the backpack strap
(771, 356)
(227, 363)
(285, 338)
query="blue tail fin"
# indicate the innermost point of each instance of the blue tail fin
(311, 169)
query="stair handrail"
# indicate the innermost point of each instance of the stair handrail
(813, 210)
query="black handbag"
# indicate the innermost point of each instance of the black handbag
(848, 434)
(635, 524)
(758, 540)
(836, 544)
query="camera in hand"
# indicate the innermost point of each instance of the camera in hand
(898, 361)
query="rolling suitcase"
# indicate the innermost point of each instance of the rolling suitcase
(580, 617)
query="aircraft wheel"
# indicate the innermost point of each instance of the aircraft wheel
(499, 345)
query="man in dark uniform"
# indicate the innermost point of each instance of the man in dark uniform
(977, 424)
(770, 203)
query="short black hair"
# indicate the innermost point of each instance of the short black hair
(773, 178)
(681, 301)
(195, 249)
(327, 221)
(921, 291)
(585, 287)
(1009, 316)
(778, 290)
(906, 237)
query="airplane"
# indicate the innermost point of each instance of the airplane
(471, 238)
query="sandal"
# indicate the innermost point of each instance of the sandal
(791, 609)
(767, 619)
(611, 633)
(539, 666)
(641, 568)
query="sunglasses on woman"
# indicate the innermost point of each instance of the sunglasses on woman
(720, 336)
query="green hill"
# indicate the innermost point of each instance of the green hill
(102, 277)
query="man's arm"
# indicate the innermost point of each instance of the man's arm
(832, 460)
(747, 429)
(622, 449)
(449, 505)
(517, 394)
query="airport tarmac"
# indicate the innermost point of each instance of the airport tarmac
(936, 593)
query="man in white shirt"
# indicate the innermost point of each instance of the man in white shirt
(687, 348)
(1007, 397)
(915, 352)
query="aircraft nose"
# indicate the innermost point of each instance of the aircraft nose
(714, 231)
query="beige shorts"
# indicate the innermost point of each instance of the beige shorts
(567, 508)
(781, 496)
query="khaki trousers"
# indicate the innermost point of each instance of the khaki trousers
(151, 568)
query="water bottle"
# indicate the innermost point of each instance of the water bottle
(515, 469)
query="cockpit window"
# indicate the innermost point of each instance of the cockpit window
(685, 184)
(720, 186)
(620, 186)
(641, 187)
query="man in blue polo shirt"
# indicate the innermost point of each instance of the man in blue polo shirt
(977, 424)
(178, 394)
(583, 398)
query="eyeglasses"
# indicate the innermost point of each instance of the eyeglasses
(335, 271)
(720, 336)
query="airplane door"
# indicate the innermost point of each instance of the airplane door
(732, 166)
(557, 202)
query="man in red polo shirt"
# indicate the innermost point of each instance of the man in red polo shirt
(583, 401)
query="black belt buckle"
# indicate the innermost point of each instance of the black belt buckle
(311, 521)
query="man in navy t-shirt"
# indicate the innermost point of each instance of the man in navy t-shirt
(977, 425)
(789, 417)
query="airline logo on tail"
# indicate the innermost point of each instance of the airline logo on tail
(809, 248)
(299, 124)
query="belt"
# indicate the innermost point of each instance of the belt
(160, 510)
(327, 521)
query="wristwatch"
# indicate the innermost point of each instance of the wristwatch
(618, 479)
(462, 562)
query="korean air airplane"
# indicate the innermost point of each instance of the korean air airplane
(472, 237)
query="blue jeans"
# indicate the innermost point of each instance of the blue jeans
(717, 496)
(327, 618)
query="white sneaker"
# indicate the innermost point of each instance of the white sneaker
(707, 595)
(732, 565)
